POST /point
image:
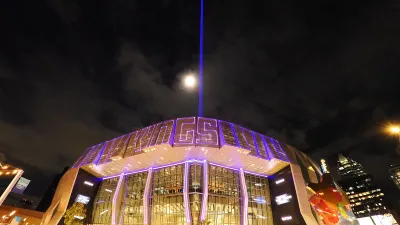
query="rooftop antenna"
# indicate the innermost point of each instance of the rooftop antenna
(200, 109)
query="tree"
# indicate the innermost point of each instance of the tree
(75, 214)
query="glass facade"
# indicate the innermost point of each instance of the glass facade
(166, 203)
(167, 196)
(259, 207)
(133, 200)
(195, 191)
(103, 201)
(224, 203)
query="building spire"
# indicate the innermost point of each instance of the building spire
(342, 159)
(349, 168)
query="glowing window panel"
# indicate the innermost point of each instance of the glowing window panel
(282, 199)
(286, 218)
(82, 199)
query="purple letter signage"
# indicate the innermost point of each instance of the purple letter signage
(185, 131)
(207, 132)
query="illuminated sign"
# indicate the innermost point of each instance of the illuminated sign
(197, 131)
(324, 166)
(82, 199)
(282, 199)
(21, 185)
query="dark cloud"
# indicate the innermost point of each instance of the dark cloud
(321, 76)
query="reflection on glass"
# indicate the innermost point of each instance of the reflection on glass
(133, 202)
(259, 208)
(195, 191)
(224, 201)
(103, 201)
(167, 196)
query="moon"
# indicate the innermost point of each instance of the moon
(189, 81)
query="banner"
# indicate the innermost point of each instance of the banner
(21, 185)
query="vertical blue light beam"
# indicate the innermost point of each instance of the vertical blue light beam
(200, 112)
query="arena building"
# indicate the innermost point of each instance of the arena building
(196, 171)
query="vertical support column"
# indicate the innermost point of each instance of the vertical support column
(146, 196)
(203, 213)
(10, 186)
(114, 205)
(186, 194)
(245, 200)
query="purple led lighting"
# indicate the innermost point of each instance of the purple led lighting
(203, 213)
(107, 152)
(221, 134)
(94, 155)
(186, 130)
(256, 144)
(168, 165)
(145, 137)
(245, 197)
(201, 40)
(276, 149)
(255, 174)
(172, 138)
(234, 134)
(146, 196)
(241, 134)
(138, 171)
(186, 192)
(196, 131)
(226, 167)
(114, 201)
(82, 158)
(156, 168)
(267, 149)
(282, 151)
(160, 136)
(114, 176)
(207, 132)
(252, 147)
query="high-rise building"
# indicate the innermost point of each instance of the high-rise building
(394, 172)
(348, 168)
(192, 171)
(366, 199)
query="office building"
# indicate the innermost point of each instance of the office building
(394, 172)
(366, 199)
(348, 168)
(197, 171)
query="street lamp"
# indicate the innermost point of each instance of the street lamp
(395, 130)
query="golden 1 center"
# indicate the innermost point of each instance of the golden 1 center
(196, 170)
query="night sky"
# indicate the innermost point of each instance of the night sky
(321, 75)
